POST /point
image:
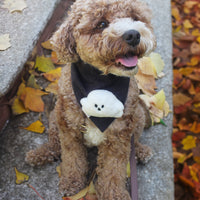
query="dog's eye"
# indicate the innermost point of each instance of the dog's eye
(102, 25)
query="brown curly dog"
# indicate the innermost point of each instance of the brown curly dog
(98, 99)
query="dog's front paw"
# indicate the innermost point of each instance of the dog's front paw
(143, 153)
(71, 186)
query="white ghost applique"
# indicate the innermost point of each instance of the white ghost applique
(102, 103)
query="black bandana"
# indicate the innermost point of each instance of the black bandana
(86, 78)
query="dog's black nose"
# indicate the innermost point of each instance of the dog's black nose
(132, 37)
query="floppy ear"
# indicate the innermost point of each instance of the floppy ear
(63, 43)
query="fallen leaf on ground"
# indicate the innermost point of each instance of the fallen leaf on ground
(14, 5)
(189, 142)
(44, 64)
(4, 42)
(157, 105)
(36, 127)
(20, 177)
(18, 107)
(47, 45)
(158, 63)
(52, 88)
(53, 75)
(88, 193)
(32, 99)
(32, 82)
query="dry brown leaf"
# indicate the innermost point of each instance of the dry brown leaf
(180, 99)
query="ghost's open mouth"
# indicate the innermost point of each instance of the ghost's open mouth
(128, 61)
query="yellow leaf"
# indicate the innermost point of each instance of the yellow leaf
(53, 75)
(32, 99)
(193, 174)
(14, 5)
(88, 190)
(198, 39)
(18, 107)
(187, 24)
(189, 142)
(194, 61)
(44, 64)
(175, 13)
(47, 45)
(186, 71)
(4, 42)
(21, 88)
(159, 99)
(36, 127)
(20, 177)
(157, 62)
(146, 66)
(182, 159)
(52, 88)
(58, 170)
(128, 170)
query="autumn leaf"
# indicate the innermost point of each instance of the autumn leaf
(20, 177)
(47, 45)
(36, 127)
(44, 64)
(18, 107)
(52, 88)
(87, 193)
(189, 142)
(157, 63)
(157, 105)
(53, 75)
(55, 59)
(14, 5)
(58, 170)
(32, 82)
(4, 42)
(32, 99)
(128, 170)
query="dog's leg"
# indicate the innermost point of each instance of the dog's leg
(74, 165)
(112, 163)
(49, 151)
(143, 152)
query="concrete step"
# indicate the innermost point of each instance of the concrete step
(155, 178)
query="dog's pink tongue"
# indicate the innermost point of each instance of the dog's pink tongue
(128, 61)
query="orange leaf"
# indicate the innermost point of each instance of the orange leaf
(36, 127)
(55, 59)
(53, 75)
(32, 99)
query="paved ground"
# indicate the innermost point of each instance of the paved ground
(155, 178)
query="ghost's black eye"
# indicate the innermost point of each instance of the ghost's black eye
(102, 25)
(95, 105)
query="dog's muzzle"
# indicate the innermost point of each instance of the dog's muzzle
(131, 37)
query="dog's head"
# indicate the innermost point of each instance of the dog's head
(108, 34)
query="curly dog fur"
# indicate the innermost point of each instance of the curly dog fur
(93, 32)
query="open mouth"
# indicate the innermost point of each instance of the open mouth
(128, 61)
